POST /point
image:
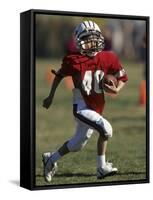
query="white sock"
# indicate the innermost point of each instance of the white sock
(55, 156)
(101, 162)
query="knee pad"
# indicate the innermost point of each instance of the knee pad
(108, 128)
(105, 127)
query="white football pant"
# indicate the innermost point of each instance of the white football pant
(87, 121)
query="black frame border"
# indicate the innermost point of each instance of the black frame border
(28, 94)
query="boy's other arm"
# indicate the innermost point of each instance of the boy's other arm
(48, 101)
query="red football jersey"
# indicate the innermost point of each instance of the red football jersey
(87, 72)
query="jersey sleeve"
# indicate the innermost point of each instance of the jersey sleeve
(116, 69)
(66, 67)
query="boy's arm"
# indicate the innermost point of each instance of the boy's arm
(120, 85)
(48, 101)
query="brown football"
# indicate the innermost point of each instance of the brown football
(108, 78)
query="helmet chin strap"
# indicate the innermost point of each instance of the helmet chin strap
(89, 52)
(92, 54)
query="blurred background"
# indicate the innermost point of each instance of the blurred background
(126, 113)
(54, 35)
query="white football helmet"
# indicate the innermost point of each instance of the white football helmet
(89, 38)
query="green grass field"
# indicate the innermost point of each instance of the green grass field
(126, 149)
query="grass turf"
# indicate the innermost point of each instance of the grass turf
(126, 149)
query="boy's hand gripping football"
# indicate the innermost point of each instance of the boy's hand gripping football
(111, 88)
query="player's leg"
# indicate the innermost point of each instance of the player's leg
(81, 137)
(104, 168)
(76, 143)
(104, 128)
(93, 120)
(102, 145)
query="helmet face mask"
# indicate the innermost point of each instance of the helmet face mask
(89, 38)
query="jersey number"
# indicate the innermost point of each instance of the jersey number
(87, 81)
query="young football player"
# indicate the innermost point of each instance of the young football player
(87, 67)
